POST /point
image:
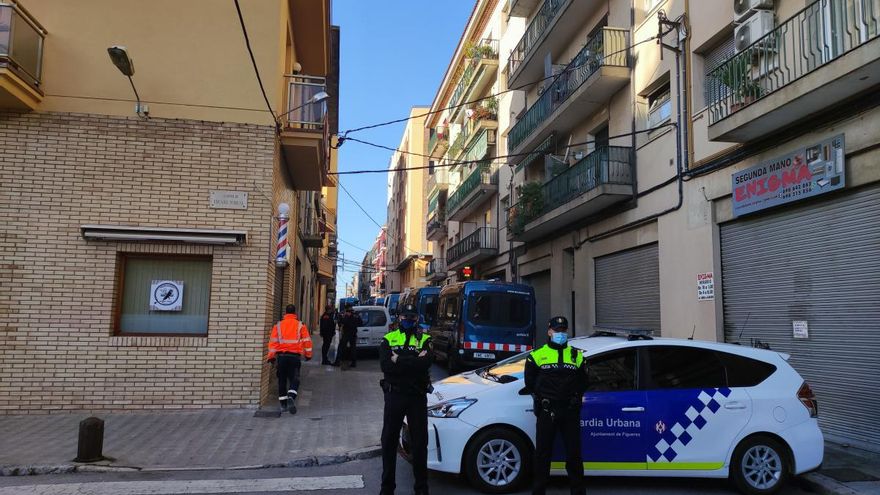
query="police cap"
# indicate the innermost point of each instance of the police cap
(558, 322)
(408, 310)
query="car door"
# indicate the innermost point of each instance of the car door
(694, 415)
(374, 328)
(613, 414)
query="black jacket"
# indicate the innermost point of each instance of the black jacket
(411, 373)
(328, 325)
(559, 383)
(350, 322)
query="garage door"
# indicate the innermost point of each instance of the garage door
(628, 289)
(541, 283)
(818, 263)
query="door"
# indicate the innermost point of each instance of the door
(442, 332)
(374, 329)
(613, 415)
(628, 289)
(693, 417)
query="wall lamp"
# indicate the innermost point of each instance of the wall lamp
(119, 57)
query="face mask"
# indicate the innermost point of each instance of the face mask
(559, 338)
(407, 324)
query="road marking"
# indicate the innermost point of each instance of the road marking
(190, 486)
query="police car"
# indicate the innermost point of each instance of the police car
(654, 407)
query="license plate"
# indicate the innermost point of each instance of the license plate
(363, 341)
(484, 355)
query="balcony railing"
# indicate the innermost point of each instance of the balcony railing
(480, 239)
(21, 44)
(436, 267)
(436, 221)
(483, 50)
(533, 33)
(483, 173)
(605, 165)
(301, 112)
(820, 33)
(435, 139)
(606, 48)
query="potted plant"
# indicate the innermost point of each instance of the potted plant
(486, 110)
(736, 75)
(531, 204)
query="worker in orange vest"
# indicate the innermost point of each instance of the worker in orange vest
(289, 343)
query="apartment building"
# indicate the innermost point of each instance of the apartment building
(407, 248)
(719, 182)
(140, 263)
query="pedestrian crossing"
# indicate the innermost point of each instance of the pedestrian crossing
(174, 487)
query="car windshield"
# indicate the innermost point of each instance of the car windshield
(507, 370)
(373, 317)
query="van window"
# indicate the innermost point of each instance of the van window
(499, 309)
(743, 371)
(448, 308)
(685, 367)
(373, 318)
(428, 308)
(612, 372)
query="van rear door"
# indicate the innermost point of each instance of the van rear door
(499, 320)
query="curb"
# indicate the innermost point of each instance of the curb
(824, 485)
(308, 461)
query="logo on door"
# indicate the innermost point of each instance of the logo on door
(660, 427)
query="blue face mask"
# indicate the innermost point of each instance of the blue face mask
(559, 338)
(407, 324)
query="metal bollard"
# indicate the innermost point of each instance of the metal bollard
(91, 440)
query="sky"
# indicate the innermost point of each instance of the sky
(393, 56)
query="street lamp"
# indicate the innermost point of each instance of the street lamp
(119, 57)
(316, 98)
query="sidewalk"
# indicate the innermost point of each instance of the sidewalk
(846, 471)
(338, 419)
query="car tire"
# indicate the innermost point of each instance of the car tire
(506, 459)
(453, 363)
(760, 466)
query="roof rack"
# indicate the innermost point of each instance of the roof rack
(629, 333)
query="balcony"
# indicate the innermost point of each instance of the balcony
(822, 56)
(310, 232)
(593, 76)
(437, 143)
(476, 137)
(435, 229)
(305, 135)
(475, 190)
(21, 58)
(473, 248)
(325, 269)
(521, 8)
(436, 270)
(597, 181)
(481, 64)
(556, 23)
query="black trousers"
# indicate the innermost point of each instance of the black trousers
(287, 371)
(414, 407)
(326, 340)
(347, 346)
(564, 421)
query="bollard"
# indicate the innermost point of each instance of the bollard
(91, 440)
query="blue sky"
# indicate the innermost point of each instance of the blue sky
(393, 55)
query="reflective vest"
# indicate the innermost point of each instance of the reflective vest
(547, 357)
(290, 335)
(397, 341)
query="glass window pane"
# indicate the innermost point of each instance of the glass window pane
(743, 371)
(138, 276)
(612, 372)
(26, 46)
(685, 367)
(499, 309)
(373, 318)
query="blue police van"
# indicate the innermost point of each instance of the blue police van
(481, 322)
(425, 301)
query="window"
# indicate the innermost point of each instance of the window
(743, 371)
(612, 372)
(162, 295)
(714, 90)
(659, 106)
(449, 308)
(651, 5)
(428, 308)
(499, 309)
(685, 367)
(373, 318)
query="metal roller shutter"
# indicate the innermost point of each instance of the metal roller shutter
(819, 263)
(628, 289)
(540, 282)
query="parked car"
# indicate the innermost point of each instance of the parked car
(425, 300)
(655, 407)
(481, 322)
(391, 302)
(375, 326)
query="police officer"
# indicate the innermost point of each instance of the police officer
(405, 356)
(556, 376)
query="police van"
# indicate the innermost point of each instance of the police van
(654, 407)
(482, 322)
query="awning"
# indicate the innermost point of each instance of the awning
(162, 234)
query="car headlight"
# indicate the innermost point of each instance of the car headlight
(450, 408)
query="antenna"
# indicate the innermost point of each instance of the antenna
(743, 329)
(693, 333)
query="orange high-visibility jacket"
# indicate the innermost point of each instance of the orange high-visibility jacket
(290, 335)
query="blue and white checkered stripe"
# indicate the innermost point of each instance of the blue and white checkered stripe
(697, 415)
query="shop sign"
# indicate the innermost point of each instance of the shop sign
(229, 200)
(800, 329)
(810, 171)
(705, 286)
(166, 295)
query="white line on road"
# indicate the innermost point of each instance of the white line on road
(190, 486)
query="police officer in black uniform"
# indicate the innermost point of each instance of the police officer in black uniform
(405, 356)
(556, 376)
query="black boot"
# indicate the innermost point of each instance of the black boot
(283, 404)
(291, 400)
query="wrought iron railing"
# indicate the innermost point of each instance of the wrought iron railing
(433, 200)
(457, 145)
(436, 220)
(436, 266)
(533, 33)
(21, 44)
(482, 238)
(606, 48)
(605, 165)
(302, 112)
(483, 173)
(546, 146)
(435, 139)
(812, 38)
(482, 50)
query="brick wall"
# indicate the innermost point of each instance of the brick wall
(60, 171)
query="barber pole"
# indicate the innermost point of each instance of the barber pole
(282, 248)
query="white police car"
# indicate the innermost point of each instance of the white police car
(655, 407)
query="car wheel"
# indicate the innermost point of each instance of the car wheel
(497, 461)
(453, 363)
(760, 466)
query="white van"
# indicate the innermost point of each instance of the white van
(376, 319)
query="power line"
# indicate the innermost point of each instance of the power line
(508, 90)
(361, 207)
(247, 42)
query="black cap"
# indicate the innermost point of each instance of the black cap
(558, 322)
(408, 310)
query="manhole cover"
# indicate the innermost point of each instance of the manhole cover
(848, 474)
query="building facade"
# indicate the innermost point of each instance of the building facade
(139, 253)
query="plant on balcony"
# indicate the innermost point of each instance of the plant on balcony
(478, 50)
(736, 75)
(486, 110)
(530, 206)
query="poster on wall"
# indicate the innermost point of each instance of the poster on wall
(705, 286)
(166, 295)
(810, 171)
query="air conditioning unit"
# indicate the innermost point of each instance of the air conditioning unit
(743, 9)
(753, 29)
